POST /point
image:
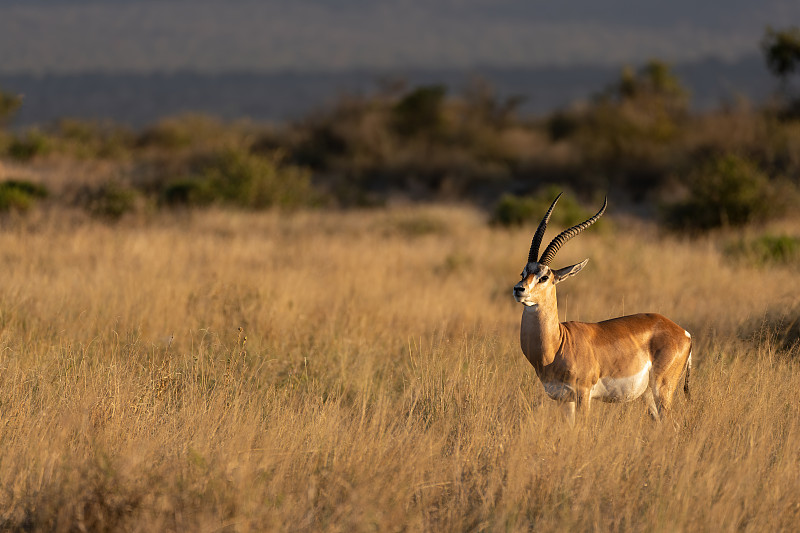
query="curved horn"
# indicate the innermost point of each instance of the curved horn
(537, 237)
(552, 248)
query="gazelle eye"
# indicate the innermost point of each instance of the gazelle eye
(543, 279)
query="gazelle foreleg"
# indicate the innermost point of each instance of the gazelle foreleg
(583, 400)
(580, 403)
(568, 410)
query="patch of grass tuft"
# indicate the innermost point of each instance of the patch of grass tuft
(418, 225)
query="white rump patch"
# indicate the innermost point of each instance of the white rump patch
(687, 334)
(610, 389)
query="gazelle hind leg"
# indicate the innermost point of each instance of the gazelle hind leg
(664, 393)
(651, 404)
(688, 372)
(650, 398)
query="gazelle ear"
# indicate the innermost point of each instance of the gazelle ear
(563, 273)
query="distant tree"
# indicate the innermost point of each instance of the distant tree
(727, 190)
(484, 105)
(421, 111)
(9, 103)
(644, 105)
(782, 51)
(654, 82)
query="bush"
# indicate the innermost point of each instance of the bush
(187, 192)
(236, 177)
(111, 200)
(420, 111)
(19, 195)
(89, 139)
(562, 125)
(513, 210)
(33, 144)
(175, 133)
(767, 249)
(418, 225)
(782, 51)
(9, 103)
(726, 191)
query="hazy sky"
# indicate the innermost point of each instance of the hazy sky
(225, 35)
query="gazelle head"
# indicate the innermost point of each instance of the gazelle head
(538, 278)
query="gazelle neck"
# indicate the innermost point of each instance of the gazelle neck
(540, 333)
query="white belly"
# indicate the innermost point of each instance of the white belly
(607, 389)
(625, 389)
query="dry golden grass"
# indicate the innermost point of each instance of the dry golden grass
(380, 385)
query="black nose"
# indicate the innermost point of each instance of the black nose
(517, 289)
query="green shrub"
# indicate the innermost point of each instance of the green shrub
(562, 125)
(20, 195)
(9, 103)
(184, 131)
(89, 139)
(417, 225)
(513, 210)
(258, 182)
(781, 50)
(111, 200)
(35, 190)
(726, 191)
(236, 177)
(187, 192)
(767, 249)
(420, 111)
(34, 143)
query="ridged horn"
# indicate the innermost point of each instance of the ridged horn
(537, 237)
(552, 248)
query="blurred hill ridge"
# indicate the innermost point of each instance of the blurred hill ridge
(138, 99)
(310, 35)
(135, 61)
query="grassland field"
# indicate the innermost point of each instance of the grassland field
(226, 370)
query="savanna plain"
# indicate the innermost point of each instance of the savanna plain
(360, 371)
